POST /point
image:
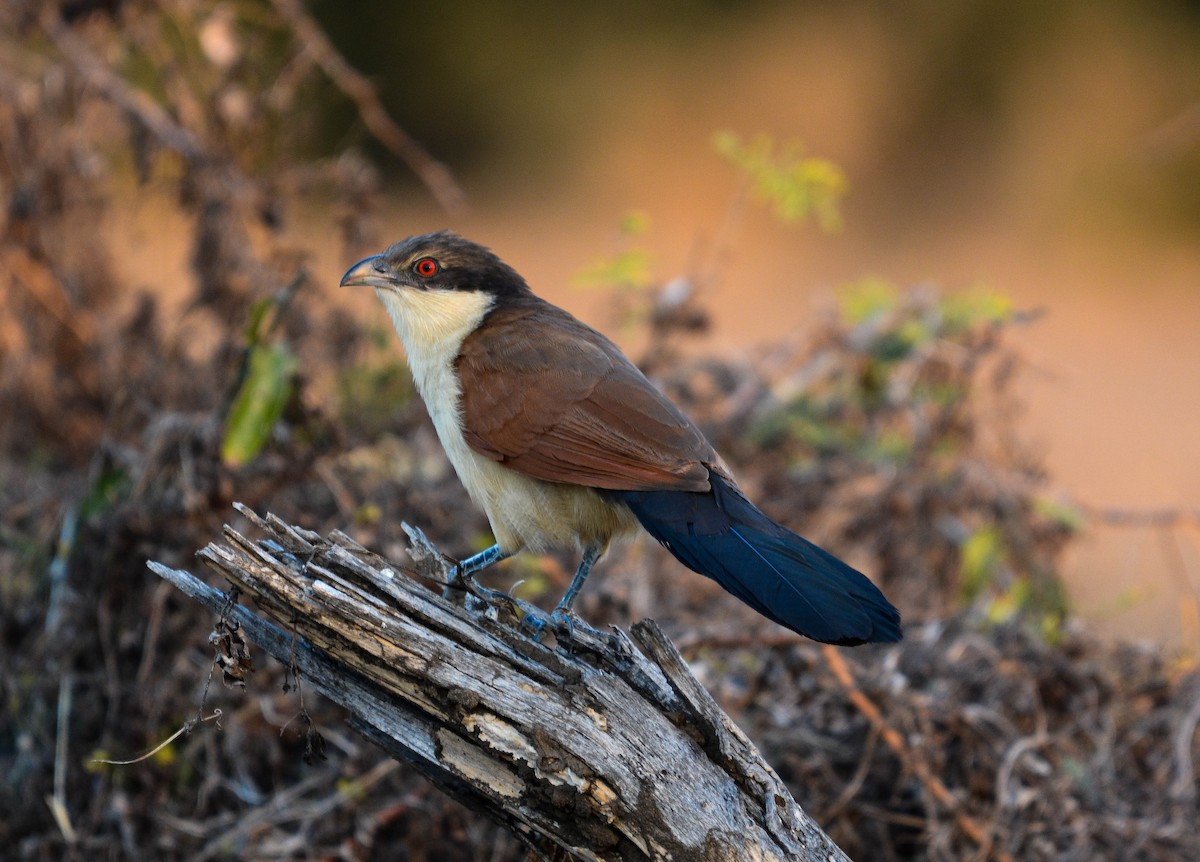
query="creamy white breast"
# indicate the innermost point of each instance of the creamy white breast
(523, 511)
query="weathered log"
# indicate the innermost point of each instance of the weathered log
(591, 745)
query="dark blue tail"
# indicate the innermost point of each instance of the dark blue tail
(786, 578)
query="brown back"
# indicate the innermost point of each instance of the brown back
(571, 407)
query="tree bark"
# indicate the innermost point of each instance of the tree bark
(607, 749)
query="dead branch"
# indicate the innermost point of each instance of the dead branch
(113, 87)
(602, 750)
(379, 123)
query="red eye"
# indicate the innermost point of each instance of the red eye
(426, 267)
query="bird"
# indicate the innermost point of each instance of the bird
(566, 444)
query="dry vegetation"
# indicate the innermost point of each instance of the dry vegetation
(993, 731)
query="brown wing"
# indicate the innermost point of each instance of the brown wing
(572, 408)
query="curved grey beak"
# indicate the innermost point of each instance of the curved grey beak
(368, 272)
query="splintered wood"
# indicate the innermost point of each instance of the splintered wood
(607, 749)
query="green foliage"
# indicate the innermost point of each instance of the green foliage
(822, 428)
(795, 186)
(961, 311)
(628, 271)
(866, 409)
(268, 374)
(1063, 514)
(870, 301)
(108, 489)
(982, 555)
(628, 274)
(259, 402)
(890, 400)
(635, 223)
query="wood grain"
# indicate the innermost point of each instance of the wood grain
(604, 750)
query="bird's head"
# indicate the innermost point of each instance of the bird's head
(437, 288)
(442, 261)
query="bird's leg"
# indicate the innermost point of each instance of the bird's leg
(590, 554)
(563, 616)
(478, 562)
(463, 574)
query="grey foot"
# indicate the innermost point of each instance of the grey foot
(569, 628)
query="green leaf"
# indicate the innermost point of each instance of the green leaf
(634, 223)
(890, 447)
(1063, 514)
(1006, 606)
(962, 311)
(259, 403)
(629, 270)
(108, 490)
(794, 186)
(868, 299)
(256, 320)
(982, 555)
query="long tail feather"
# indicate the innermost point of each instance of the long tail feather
(784, 577)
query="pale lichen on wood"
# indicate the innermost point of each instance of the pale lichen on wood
(609, 750)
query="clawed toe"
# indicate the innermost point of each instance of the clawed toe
(481, 598)
(562, 622)
(536, 623)
(566, 625)
(570, 627)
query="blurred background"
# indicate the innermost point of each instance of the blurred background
(1050, 152)
(1047, 153)
(995, 235)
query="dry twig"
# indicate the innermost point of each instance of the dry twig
(919, 767)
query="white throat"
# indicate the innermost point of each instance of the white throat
(432, 324)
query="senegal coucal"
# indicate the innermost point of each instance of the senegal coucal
(565, 443)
